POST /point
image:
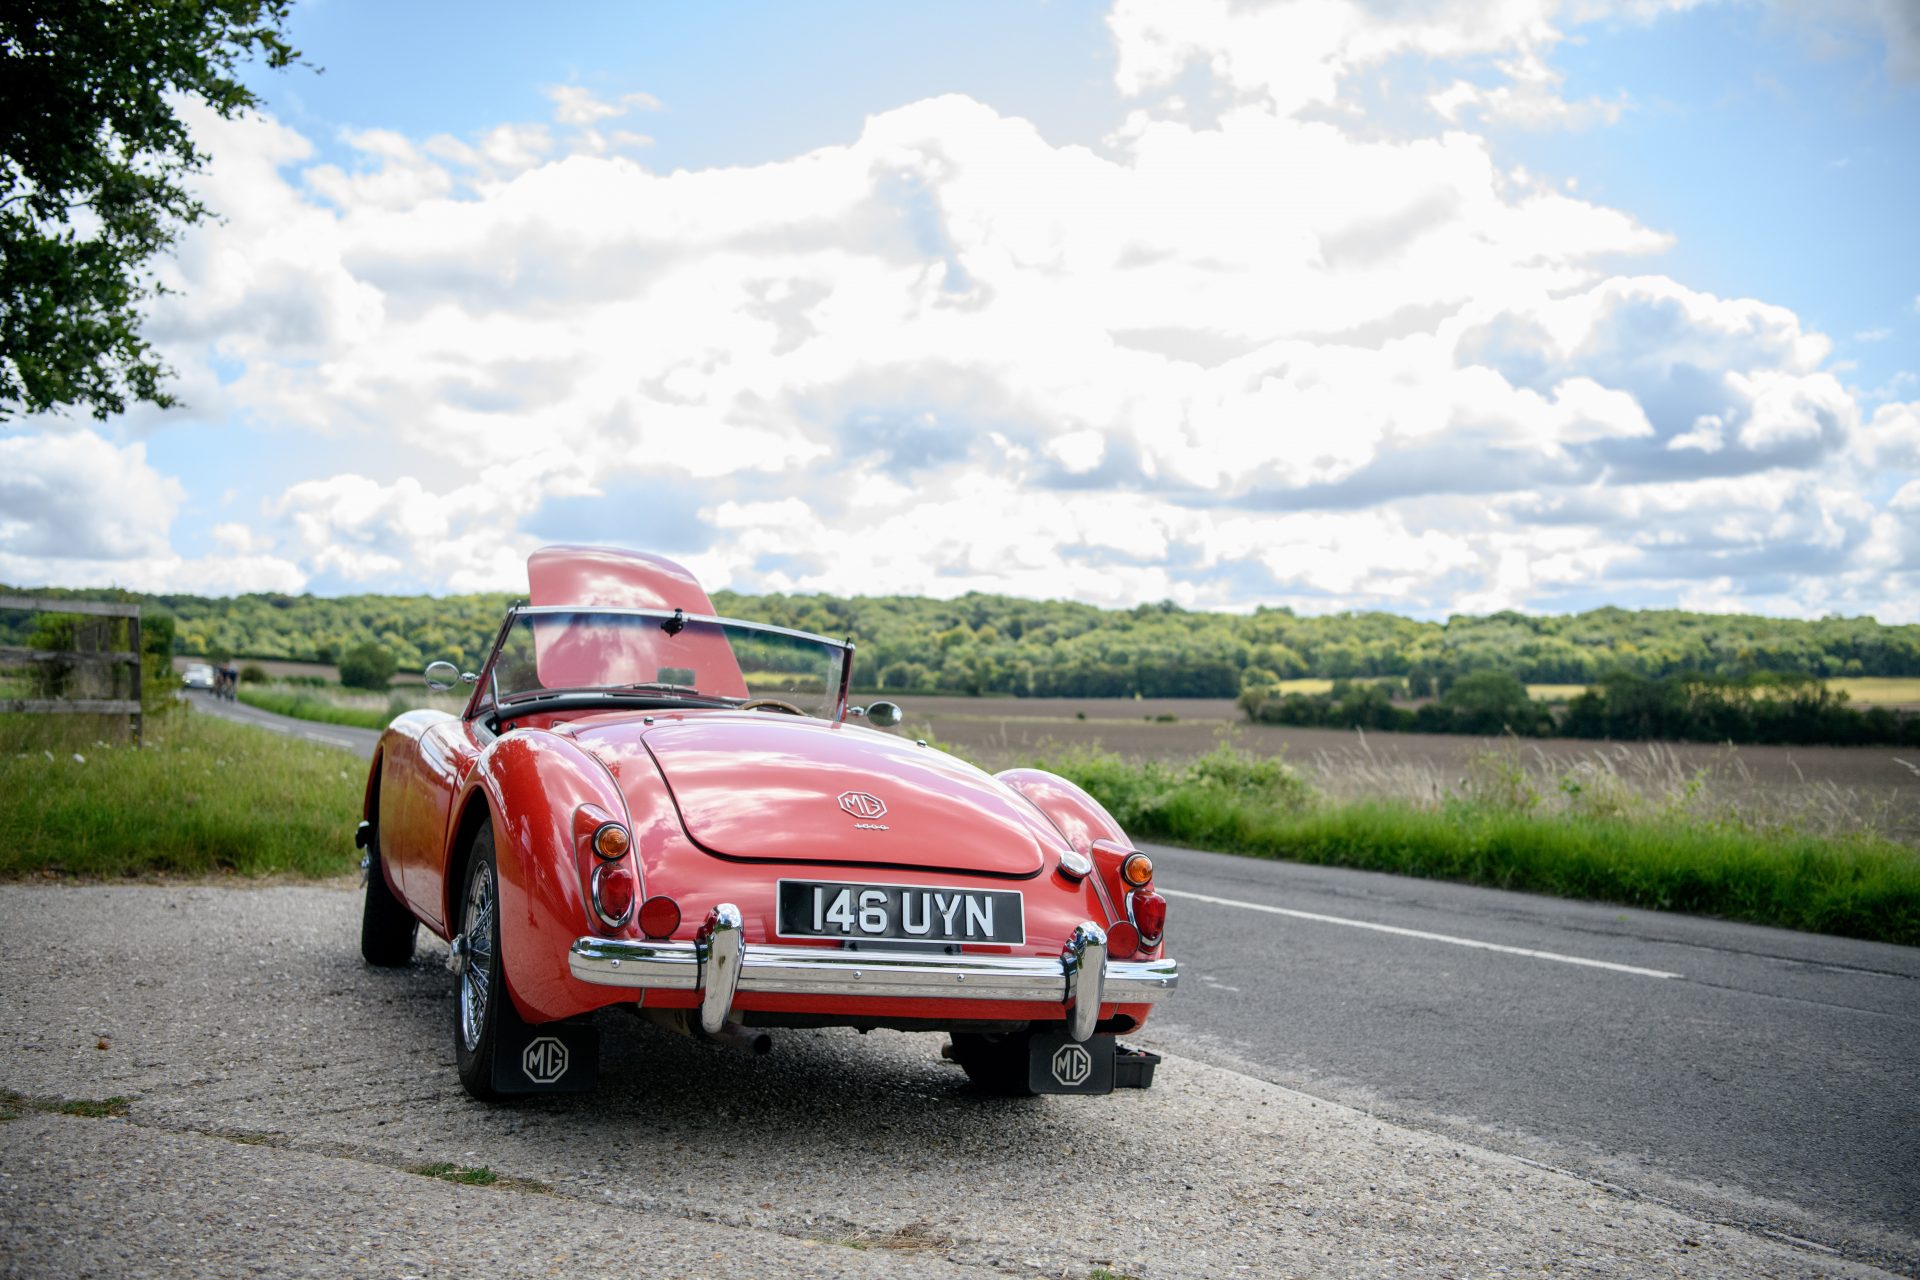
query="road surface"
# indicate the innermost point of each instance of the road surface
(1752, 1076)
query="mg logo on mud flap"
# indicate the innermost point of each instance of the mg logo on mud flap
(545, 1060)
(1072, 1065)
(862, 805)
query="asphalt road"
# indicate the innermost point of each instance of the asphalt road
(359, 741)
(1755, 1077)
(285, 1106)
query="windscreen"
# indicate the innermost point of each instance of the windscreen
(588, 649)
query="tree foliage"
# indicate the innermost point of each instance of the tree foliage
(367, 666)
(93, 158)
(1763, 707)
(1028, 648)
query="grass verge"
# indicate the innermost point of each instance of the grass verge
(306, 706)
(1860, 886)
(207, 796)
(203, 796)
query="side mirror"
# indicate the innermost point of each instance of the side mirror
(883, 715)
(442, 676)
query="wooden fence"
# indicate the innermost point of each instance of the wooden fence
(12, 655)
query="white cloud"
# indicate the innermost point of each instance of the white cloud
(580, 107)
(77, 496)
(1890, 440)
(1266, 357)
(1293, 57)
(237, 538)
(1530, 99)
(360, 529)
(79, 510)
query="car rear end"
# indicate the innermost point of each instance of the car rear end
(919, 895)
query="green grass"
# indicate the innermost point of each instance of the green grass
(1858, 886)
(14, 1105)
(207, 796)
(478, 1176)
(203, 796)
(312, 706)
(357, 708)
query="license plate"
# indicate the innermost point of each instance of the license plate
(900, 913)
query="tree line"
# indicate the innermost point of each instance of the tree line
(993, 644)
(1761, 707)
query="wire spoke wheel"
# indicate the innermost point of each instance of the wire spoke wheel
(476, 979)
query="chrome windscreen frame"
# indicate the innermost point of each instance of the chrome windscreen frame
(488, 679)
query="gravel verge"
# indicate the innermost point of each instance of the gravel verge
(280, 1092)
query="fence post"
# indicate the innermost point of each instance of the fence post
(129, 707)
(139, 667)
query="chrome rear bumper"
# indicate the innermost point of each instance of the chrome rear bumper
(719, 964)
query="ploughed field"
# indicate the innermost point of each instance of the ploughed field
(1825, 788)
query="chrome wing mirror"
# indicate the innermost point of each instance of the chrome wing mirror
(881, 715)
(442, 676)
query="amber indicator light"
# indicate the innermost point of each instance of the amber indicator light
(611, 842)
(1137, 870)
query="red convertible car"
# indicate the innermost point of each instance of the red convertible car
(647, 806)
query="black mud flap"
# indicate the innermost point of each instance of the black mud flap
(554, 1057)
(1056, 1064)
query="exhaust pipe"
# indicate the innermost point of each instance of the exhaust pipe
(753, 1042)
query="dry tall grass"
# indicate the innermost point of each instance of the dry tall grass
(1624, 781)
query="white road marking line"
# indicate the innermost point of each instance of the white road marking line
(1423, 934)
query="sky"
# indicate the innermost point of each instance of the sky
(1431, 306)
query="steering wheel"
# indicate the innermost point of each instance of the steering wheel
(778, 704)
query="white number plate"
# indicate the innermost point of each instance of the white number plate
(900, 912)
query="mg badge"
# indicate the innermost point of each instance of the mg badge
(545, 1060)
(1072, 1065)
(862, 805)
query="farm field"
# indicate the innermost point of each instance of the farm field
(1828, 789)
(1880, 691)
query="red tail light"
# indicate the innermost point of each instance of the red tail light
(612, 894)
(1148, 911)
(659, 916)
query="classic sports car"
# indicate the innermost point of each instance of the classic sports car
(648, 806)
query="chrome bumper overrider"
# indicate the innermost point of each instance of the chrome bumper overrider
(718, 964)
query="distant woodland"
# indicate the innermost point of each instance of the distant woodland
(989, 644)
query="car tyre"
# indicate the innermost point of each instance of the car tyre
(387, 928)
(996, 1064)
(482, 1009)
